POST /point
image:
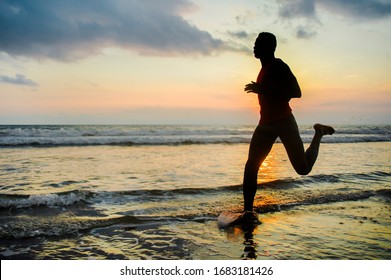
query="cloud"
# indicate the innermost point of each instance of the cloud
(19, 79)
(297, 8)
(239, 34)
(74, 29)
(304, 32)
(309, 11)
(363, 9)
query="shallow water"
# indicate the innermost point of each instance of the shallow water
(162, 202)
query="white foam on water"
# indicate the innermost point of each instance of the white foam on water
(167, 135)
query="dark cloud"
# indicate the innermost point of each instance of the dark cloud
(305, 32)
(310, 9)
(296, 8)
(363, 9)
(73, 29)
(19, 79)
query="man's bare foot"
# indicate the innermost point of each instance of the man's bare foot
(250, 217)
(323, 129)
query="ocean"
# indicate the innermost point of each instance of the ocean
(155, 192)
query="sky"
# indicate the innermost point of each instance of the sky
(186, 62)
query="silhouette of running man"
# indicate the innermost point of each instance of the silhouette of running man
(275, 86)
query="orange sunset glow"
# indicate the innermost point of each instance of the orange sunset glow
(181, 64)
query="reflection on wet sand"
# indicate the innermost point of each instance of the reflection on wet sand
(247, 233)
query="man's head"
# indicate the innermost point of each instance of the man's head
(265, 45)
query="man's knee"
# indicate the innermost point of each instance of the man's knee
(252, 166)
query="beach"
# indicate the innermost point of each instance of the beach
(155, 192)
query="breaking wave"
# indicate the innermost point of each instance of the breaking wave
(67, 198)
(79, 135)
(35, 227)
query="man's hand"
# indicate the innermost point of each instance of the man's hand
(253, 87)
